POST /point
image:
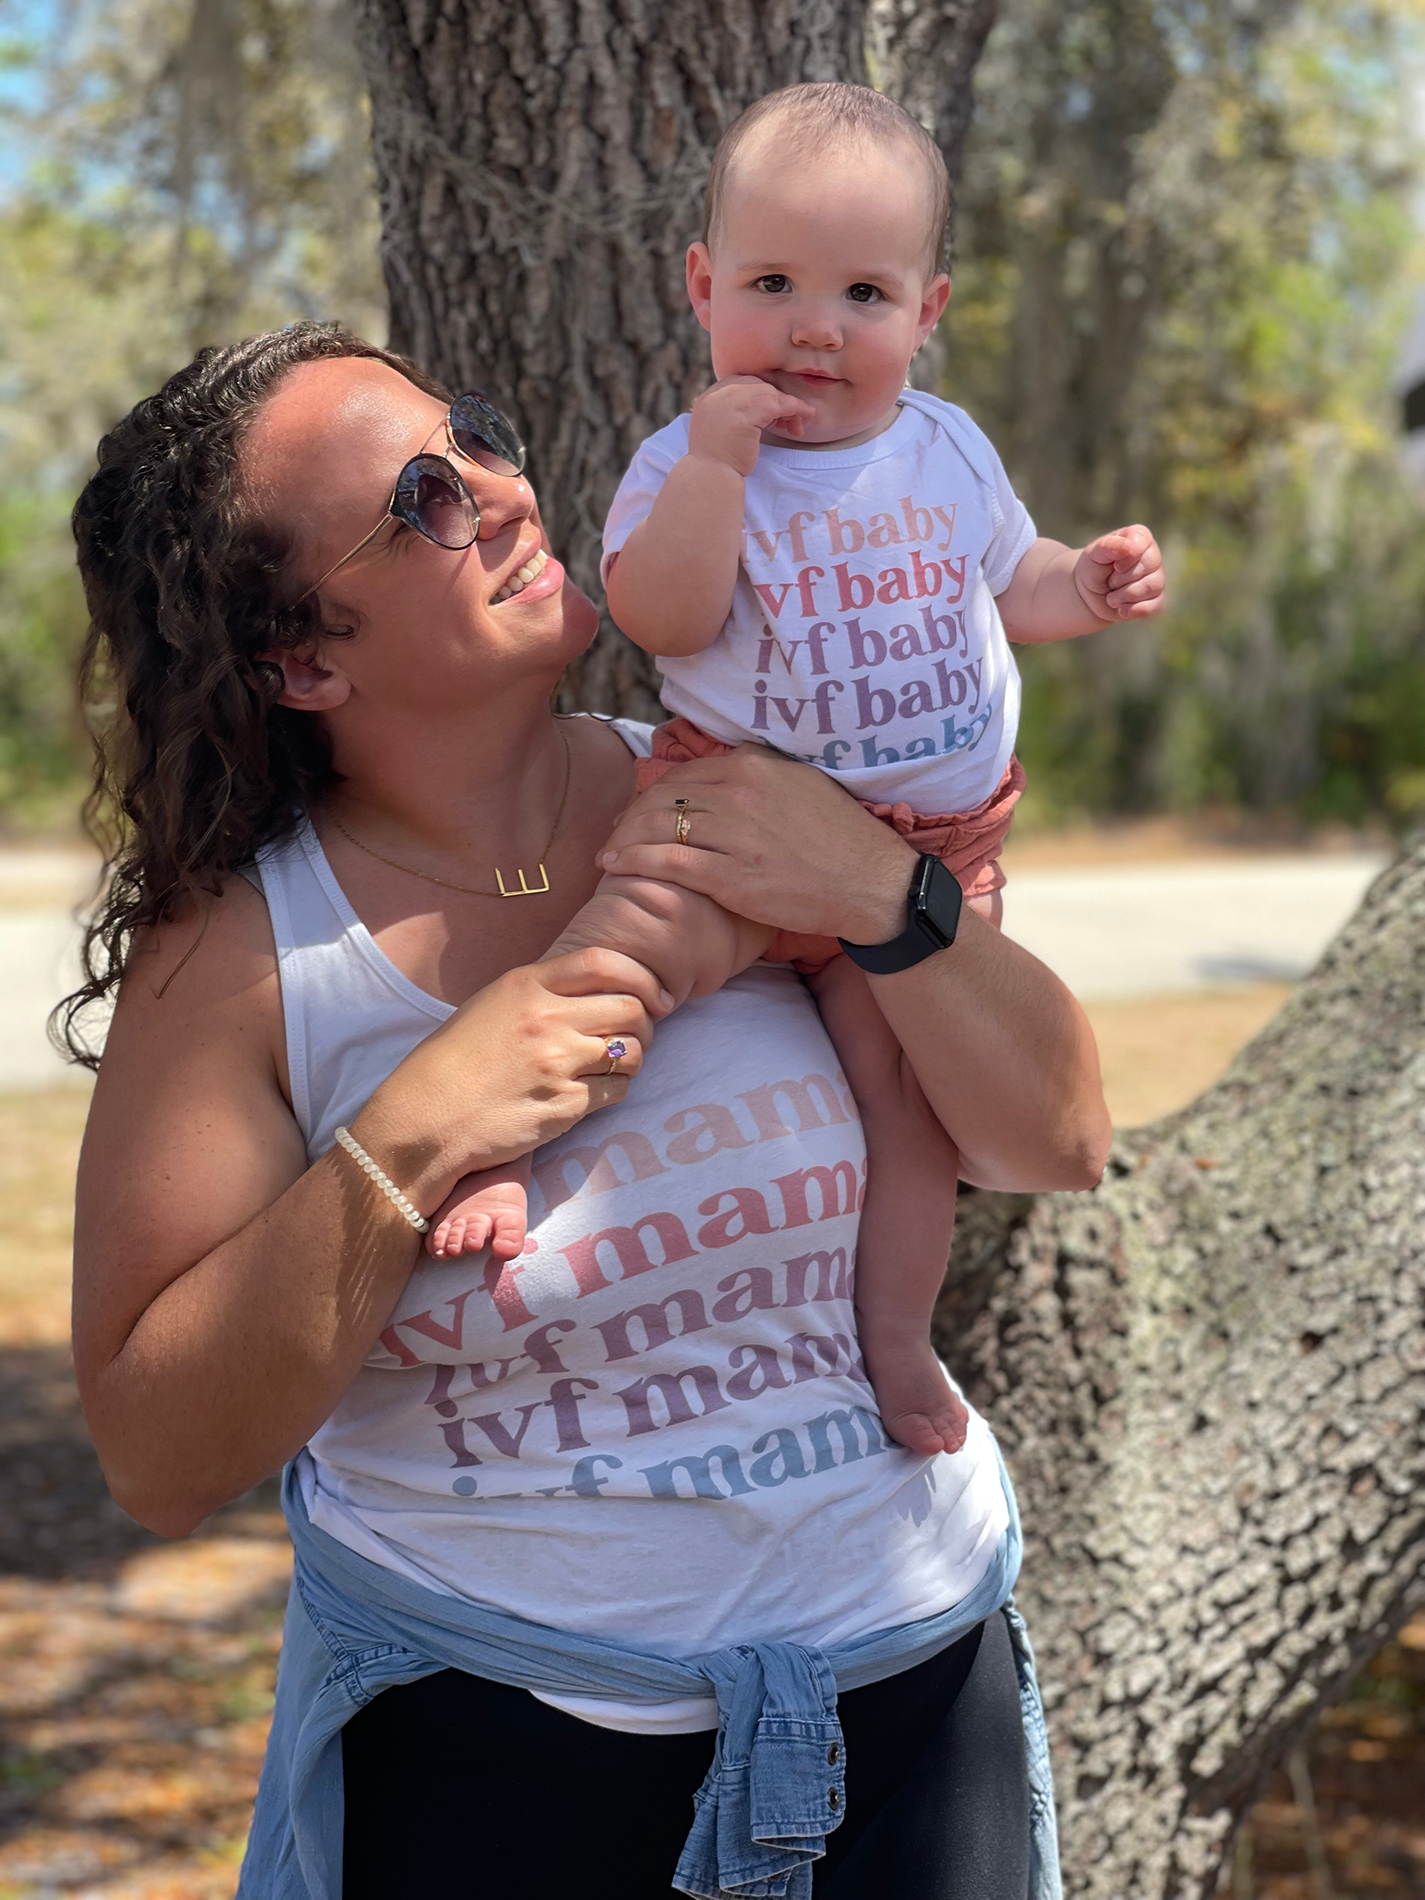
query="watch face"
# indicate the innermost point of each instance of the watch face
(938, 901)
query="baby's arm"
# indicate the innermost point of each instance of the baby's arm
(1058, 593)
(670, 586)
(691, 945)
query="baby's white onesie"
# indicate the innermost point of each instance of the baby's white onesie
(864, 635)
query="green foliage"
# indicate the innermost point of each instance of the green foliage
(1188, 258)
(191, 170)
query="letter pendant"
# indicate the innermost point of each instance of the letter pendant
(525, 890)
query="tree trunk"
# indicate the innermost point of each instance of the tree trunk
(1209, 1380)
(542, 166)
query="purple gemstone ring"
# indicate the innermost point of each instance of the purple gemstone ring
(617, 1049)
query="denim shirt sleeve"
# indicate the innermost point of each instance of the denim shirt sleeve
(776, 1787)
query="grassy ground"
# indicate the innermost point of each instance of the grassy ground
(136, 1677)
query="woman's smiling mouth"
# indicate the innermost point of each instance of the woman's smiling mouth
(519, 580)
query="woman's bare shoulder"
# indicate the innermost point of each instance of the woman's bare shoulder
(204, 979)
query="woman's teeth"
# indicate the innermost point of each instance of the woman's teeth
(517, 582)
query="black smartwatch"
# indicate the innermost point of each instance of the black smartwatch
(932, 918)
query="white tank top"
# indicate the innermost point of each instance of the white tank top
(656, 1426)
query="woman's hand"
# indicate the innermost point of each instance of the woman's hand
(1001, 1049)
(514, 1067)
(226, 1290)
(771, 840)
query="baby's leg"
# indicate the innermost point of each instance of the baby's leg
(907, 1221)
(990, 907)
(691, 945)
(488, 1209)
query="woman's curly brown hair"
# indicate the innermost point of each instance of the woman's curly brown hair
(196, 768)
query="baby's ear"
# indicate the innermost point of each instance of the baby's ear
(932, 306)
(700, 283)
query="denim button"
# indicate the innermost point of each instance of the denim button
(833, 1799)
(833, 1754)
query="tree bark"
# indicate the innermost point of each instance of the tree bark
(542, 166)
(924, 54)
(1209, 1380)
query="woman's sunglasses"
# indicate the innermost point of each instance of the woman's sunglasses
(430, 494)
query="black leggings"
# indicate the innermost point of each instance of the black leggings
(456, 1785)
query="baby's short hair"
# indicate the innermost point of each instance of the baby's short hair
(829, 113)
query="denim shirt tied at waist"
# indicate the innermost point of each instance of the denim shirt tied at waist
(776, 1787)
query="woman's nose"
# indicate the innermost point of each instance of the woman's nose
(502, 500)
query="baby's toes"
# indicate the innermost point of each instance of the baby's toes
(953, 1423)
(455, 1236)
(507, 1233)
(917, 1431)
(474, 1234)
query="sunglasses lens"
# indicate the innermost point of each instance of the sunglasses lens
(432, 497)
(479, 430)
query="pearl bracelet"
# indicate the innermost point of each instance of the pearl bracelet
(383, 1180)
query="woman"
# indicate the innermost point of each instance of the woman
(567, 1517)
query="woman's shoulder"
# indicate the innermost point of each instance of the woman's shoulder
(207, 970)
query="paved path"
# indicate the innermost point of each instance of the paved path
(38, 960)
(1152, 930)
(1134, 931)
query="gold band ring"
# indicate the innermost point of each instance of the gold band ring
(683, 829)
(616, 1049)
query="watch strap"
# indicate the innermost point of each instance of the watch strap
(923, 935)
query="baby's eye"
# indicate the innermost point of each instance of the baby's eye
(774, 283)
(864, 293)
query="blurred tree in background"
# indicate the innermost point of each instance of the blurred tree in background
(170, 175)
(1188, 242)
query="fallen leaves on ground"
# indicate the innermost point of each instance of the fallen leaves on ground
(135, 1713)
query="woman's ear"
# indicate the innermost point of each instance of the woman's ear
(309, 684)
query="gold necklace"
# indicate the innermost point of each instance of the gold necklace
(523, 889)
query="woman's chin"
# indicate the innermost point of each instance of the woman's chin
(581, 620)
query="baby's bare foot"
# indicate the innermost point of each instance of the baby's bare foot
(919, 1407)
(481, 1212)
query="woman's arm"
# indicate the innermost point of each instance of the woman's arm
(225, 1292)
(1004, 1054)
(1000, 1047)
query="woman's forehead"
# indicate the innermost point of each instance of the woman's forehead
(335, 410)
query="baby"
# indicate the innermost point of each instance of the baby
(830, 563)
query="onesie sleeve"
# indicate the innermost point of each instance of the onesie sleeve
(638, 490)
(1014, 531)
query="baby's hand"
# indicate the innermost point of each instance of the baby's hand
(1120, 576)
(727, 420)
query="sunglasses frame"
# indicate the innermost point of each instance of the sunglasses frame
(398, 509)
